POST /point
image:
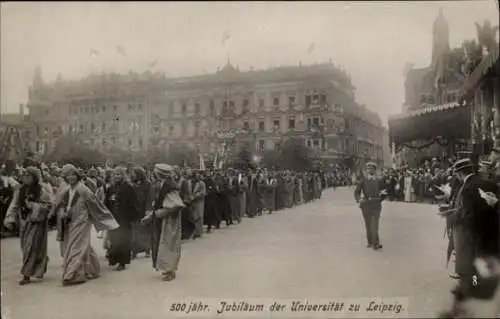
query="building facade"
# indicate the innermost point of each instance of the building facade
(434, 123)
(260, 109)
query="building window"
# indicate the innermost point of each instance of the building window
(322, 99)
(92, 141)
(184, 108)
(277, 146)
(291, 123)
(130, 107)
(308, 100)
(92, 127)
(115, 108)
(276, 124)
(309, 143)
(113, 140)
(103, 108)
(211, 107)
(140, 107)
(103, 127)
(171, 128)
(291, 100)
(129, 143)
(197, 108)
(276, 101)
(103, 142)
(315, 121)
(245, 103)
(82, 128)
(261, 126)
(261, 103)
(246, 126)
(140, 143)
(261, 145)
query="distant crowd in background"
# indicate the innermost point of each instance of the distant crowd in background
(418, 184)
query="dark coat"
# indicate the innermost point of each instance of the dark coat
(121, 200)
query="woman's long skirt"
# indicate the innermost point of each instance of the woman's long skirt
(120, 249)
(33, 237)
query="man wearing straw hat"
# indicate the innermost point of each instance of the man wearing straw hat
(369, 194)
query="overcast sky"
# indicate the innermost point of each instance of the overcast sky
(373, 40)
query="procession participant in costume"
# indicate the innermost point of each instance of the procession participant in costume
(166, 224)
(91, 180)
(198, 203)
(30, 208)
(223, 203)
(186, 189)
(121, 200)
(211, 213)
(8, 185)
(368, 194)
(77, 210)
(269, 192)
(252, 195)
(233, 191)
(242, 194)
(141, 239)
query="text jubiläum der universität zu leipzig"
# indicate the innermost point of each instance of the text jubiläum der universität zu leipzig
(395, 307)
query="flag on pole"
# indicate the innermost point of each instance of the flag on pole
(215, 161)
(120, 50)
(310, 49)
(226, 36)
(202, 162)
(93, 53)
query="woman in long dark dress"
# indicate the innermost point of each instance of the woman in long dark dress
(121, 200)
(141, 241)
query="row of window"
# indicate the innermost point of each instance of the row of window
(96, 109)
(310, 99)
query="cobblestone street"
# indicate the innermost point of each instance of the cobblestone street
(311, 251)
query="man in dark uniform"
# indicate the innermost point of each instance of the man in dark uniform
(471, 220)
(369, 194)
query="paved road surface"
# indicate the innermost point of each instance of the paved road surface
(311, 251)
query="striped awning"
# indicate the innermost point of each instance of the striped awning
(448, 120)
(426, 110)
(480, 71)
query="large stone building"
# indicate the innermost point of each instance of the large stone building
(259, 108)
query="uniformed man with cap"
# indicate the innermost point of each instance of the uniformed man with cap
(369, 193)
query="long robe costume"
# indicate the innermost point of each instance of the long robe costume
(242, 197)
(121, 200)
(167, 233)
(251, 196)
(223, 201)
(187, 217)
(141, 239)
(80, 262)
(233, 192)
(198, 205)
(269, 192)
(211, 213)
(33, 227)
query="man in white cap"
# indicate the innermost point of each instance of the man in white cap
(369, 194)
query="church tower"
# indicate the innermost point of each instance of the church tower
(440, 37)
(37, 78)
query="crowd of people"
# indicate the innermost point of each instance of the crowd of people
(417, 184)
(126, 205)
